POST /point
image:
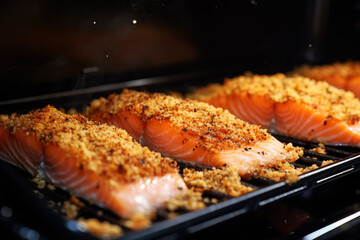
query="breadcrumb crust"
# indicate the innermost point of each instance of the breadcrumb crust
(214, 128)
(110, 152)
(320, 96)
(346, 70)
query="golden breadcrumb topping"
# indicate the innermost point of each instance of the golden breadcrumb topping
(320, 96)
(206, 93)
(214, 129)
(346, 70)
(225, 180)
(3, 118)
(110, 152)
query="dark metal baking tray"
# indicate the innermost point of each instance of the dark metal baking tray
(186, 223)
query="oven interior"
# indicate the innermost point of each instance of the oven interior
(48, 47)
(68, 53)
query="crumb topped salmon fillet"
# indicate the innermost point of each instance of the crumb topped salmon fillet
(95, 161)
(191, 131)
(294, 106)
(342, 75)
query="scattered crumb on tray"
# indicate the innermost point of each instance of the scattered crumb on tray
(137, 222)
(285, 172)
(38, 194)
(51, 187)
(76, 201)
(289, 175)
(101, 229)
(225, 180)
(296, 151)
(39, 180)
(70, 210)
(191, 201)
(327, 162)
(319, 149)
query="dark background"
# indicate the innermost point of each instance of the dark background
(46, 46)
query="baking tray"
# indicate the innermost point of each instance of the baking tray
(187, 223)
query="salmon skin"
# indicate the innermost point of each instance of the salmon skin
(95, 161)
(344, 75)
(293, 106)
(191, 131)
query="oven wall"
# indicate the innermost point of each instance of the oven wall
(49, 46)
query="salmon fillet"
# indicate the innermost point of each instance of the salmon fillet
(191, 131)
(292, 106)
(95, 161)
(342, 75)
